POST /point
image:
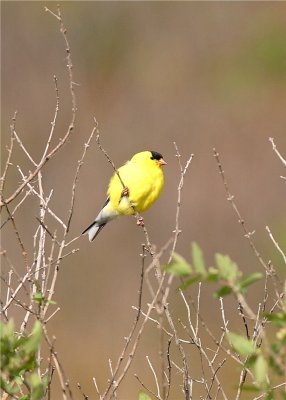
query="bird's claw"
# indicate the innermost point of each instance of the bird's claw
(140, 221)
(125, 192)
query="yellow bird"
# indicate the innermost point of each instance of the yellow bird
(143, 179)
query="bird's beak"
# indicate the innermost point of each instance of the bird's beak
(162, 162)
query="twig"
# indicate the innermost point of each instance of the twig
(183, 171)
(58, 219)
(198, 309)
(51, 316)
(282, 159)
(146, 388)
(247, 233)
(169, 367)
(81, 391)
(8, 289)
(107, 156)
(59, 368)
(137, 338)
(276, 244)
(53, 123)
(19, 141)
(155, 377)
(186, 385)
(79, 165)
(242, 379)
(273, 388)
(96, 388)
(28, 192)
(220, 365)
(196, 340)
(23, 249)
(177, 231)
(71, 126)
(8, 162)
(133, 328)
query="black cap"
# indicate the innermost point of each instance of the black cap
(156, 156)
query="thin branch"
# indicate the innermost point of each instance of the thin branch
(59, 368)
(28, 192)
(186, 375)
(53, 123)
(282, 159)
(276, 244)
(58, 219)
(146, 388)
(71, 126)
(135, 323)
(81, 391)
(183, 172)
(273, 388)
(107, 156)
(136, 340)
(19, 141)
(230, 198)
(155, 376)
(23, 249)
(79, 165)
(10, 150)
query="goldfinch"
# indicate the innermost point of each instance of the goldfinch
(143, 179)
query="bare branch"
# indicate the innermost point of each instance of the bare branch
(8, 162)
(282, 159)
(276, 244)
(80, 163)
(71, 126)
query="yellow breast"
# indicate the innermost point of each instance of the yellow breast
(145, 183)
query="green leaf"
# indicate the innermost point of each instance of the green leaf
(7, 330)
(37, 387)
(7, 387)
(283, 396)
(178, 266)
(223, 291)
(227, 268)
(198, 259)
(213, 275)
(250, 388)
(144, 396)
(250, 279)
(188, 282)
(34, 340)
(241, 345)
(260, 370)
(276, 367)
(278, 319)
(38, 298)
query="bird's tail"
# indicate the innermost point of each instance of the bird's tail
(106, 214)
(93, 230)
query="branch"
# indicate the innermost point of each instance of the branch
(10, 150)
(47, 157)
(282, 159)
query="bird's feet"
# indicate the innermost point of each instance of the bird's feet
(140, 221)
(125, 192)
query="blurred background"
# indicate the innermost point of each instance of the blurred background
(203, 74)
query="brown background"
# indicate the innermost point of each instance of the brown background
(201, 74)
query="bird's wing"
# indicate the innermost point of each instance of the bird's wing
(144, 184)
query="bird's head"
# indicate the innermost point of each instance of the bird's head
(149, 157)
